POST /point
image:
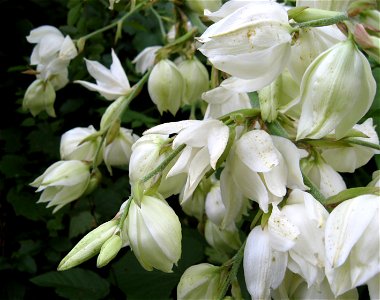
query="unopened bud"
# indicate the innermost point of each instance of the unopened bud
(109, 250)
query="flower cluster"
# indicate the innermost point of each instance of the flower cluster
(281, 119)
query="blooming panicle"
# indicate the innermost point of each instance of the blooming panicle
(166, 86)
(72, 148)
(110, 83)
(331, 99)
(222, 101)
(202, 281)
(145, 59)
(252, 43)
(205, 142)
(352, 245)
(154, 233)
(63, 182)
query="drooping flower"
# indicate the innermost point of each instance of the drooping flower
(352, 245)
(110, 83)
(63, 182)
(252, 43)
(154, 233)
(326, 105)
(40, 96)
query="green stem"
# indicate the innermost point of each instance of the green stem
(122, 19)
(125, 213)
(256, 219)
(96, 156)
(352, 193)
(321, 22)
(163, 164)
(233, 272)
(195, 20)
(314, 191)
(275, 128)
(161, 25)
(362, 143)
(246, 113)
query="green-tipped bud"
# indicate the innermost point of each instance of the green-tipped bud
(40, 96)
(109, 250)
(113, 112)
(88, 246)
(165, 86)
(196, 80)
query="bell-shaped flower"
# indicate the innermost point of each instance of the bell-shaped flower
(118, 152)
(154, 233)
(222, 101)
(110, 83)
(205, 143)
(166, 86)
(72, 146)
(324, 100)
(307, 255)
(63, 182)
(310, 43)
(196, 80)
(353, 244)
(55, 71)
(202, 281)
(40, 96)
(295, 287)
(328, 181)
(264, 267)
(50, 44)
(145, 59)
(264, 166)
(347, 159)
(252, 43)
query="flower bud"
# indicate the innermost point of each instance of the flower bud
(226, 240)
(202, 281)
(330, 98)
(154, 233)
(113, 112)
(199, 6)
(63, 182)
(119, 151)
(40, 96)
(165, 86)
(88, 246)
(72, 146)
(196, 80)
(109, 250)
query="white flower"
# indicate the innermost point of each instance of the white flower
(40, 96)
(51, 44)
(205, 143)
(324, 102)
(145, 59)
(63, 182)
(347, 159)
(166, 86)
(110, 83)
(201, 281)
(72, 148)
(263, 166)
(352, 244)
(252, 44)
(154, 233)
(119, 151)
(264, 267)
(55, 71)
(223, 101)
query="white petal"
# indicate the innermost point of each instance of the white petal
(217, 142)
(38, 33)
(255, 148)
(109, 94)
(171, 127)
(118, 71)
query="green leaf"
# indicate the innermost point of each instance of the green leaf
(80, 224)
(13, 166)
(74, 14)
(75, 284)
